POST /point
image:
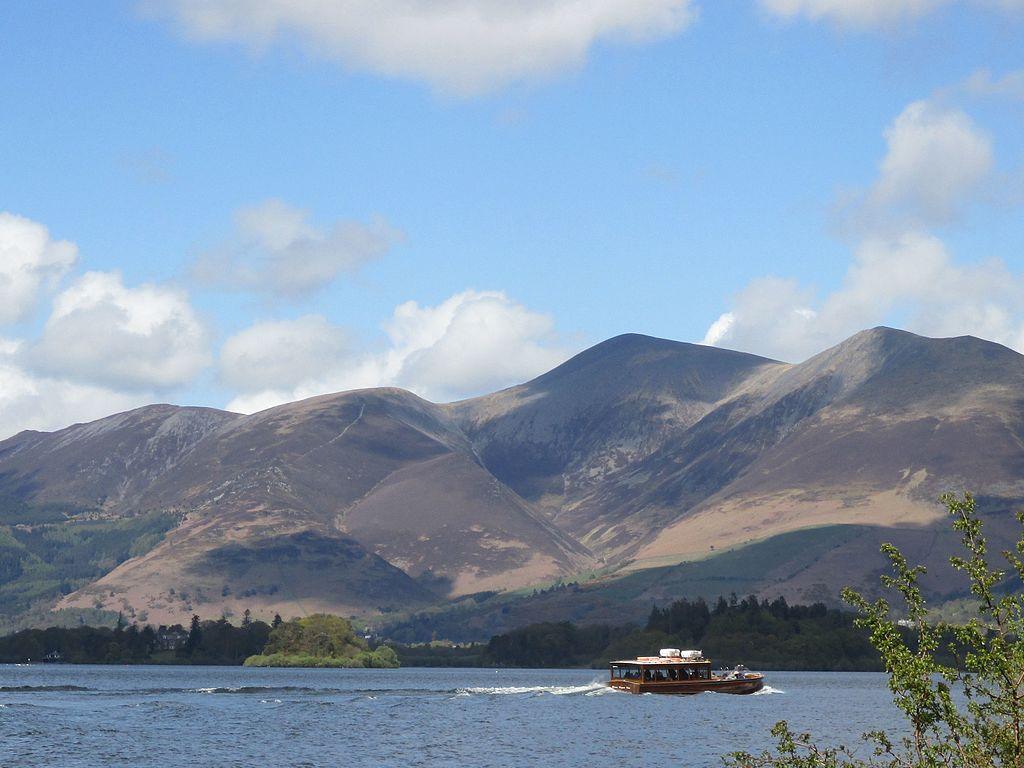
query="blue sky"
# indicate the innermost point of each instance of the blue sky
(251, 193)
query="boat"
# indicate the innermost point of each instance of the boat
(680, 672)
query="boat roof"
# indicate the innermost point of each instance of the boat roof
(658, 661)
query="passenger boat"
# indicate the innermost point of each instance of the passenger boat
(681, 672)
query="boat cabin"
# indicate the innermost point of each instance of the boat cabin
(675, 671)
(660, 670)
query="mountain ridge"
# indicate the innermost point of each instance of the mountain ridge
(636, 453)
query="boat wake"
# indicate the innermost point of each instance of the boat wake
(41, 688)
(594, 688)
(767, 690)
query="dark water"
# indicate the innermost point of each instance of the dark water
(231, 716)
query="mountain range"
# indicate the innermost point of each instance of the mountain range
(641, 469)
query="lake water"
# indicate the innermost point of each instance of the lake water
(64, 715)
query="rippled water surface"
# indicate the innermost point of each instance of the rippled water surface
(63, 715)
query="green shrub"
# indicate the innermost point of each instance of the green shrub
(982, 729)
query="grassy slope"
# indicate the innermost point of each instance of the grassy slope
(627, 599)
(41, 561)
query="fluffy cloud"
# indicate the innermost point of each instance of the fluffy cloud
(30, 261)
(458, 46)
(277, 250)
(473, 342)
(103, 333)
(864, 14)
(912, 274)
(28, 401)
(283, 354)
(936, 160)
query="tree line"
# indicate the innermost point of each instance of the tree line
(758, 633)
(203, 642)
(319, 640)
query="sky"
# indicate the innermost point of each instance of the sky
(238, 203)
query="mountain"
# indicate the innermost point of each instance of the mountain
(869, 432)
(106, 464)
(865, 434)
(566, 438)
(293, 507)
(641, 468)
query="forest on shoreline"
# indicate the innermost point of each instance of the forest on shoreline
(318, 640)
(761, 634)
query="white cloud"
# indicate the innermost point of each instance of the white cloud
(33, 402)
(854, 13)
(912, 274)
(464, 47)
(936, 160)
(1009, 86)
(106, 334)
(872, 14)
(283, 354)
(473, 342)
(30, 262)
(276, 249)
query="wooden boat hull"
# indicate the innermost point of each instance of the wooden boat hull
(744, 686)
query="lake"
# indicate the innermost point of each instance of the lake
(66, 715)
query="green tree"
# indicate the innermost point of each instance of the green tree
(320, 640)
(319, 634)
(195, 635)
(982, 729)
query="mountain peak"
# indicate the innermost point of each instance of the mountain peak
(628, 350)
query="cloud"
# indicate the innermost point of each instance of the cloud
(30, 262)
(105, 334)
(464, 47)
(28, 401)
(473, 342)
(277, 250)
(936, 162)
(872, 14)
(283, 354)
(104, 348)
(1010, 6)
(912, 275)
(1009, 86)
(152, 167)
(854, 13)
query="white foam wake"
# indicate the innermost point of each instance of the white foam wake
(594, 687)
(767, 690)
